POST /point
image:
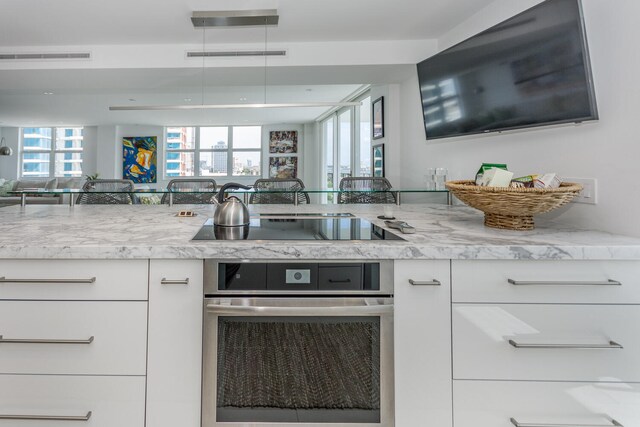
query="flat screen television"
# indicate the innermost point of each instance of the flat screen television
(530, 70)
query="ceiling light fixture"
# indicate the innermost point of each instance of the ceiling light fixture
(4, 150)
(227, 19)
(235, 18)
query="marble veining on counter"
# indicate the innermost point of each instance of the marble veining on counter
(148, 231)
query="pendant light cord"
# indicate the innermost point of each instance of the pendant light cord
(203, 57)
(265, 60)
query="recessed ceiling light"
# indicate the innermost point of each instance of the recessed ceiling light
(48, 93)
(187, 100)
(243, 99)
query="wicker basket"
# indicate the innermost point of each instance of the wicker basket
(512, 208)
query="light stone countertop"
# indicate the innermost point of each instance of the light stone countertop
(148, 231)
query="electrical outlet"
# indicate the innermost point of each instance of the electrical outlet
(589, 193)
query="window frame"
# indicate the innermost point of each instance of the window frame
(52, 151)
(356, 139)
(197, 151)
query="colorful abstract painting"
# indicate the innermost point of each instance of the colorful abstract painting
(139, 159)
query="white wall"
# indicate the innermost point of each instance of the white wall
(90, 150)
(312, 159)
(607, 150)
(108, 153)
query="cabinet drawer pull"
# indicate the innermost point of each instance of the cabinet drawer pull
(564, 283)
(86, 281)
(611, 345)
(165, 281)
(433, 282)
(340, 281)
(519, 424)
(43, 341)
(47, 417)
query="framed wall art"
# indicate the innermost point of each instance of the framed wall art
(377, 160)
(139, 159)
(377, 118)
(283, 167)
(283, 142)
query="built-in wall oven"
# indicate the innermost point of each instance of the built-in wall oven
(298, 344)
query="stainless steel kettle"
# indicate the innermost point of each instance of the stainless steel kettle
(231, 212)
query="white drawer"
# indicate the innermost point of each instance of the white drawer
(118, 329)
(112, 401)
(74, 279)
(482, 347)
(546, 281)
(494, 404)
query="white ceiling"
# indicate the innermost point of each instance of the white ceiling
(87, 22)
(82, 96)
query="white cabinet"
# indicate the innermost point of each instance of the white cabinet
(546, 343)
(175, 343)
(495, 403)
(73, 337)
(94, 280)
(76, 333)
(105, 401)
(551, 342)
(422, 343)
(553, 282)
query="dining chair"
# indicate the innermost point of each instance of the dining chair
(373, 190)
(195, 191)
(279, 191)
(108, 192)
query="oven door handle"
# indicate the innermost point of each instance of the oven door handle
(301, 311)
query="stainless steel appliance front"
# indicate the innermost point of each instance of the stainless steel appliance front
(309, 360)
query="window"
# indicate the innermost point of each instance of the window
(346, 139)
(218, 151)
(327, 140)
(51, 152)
(364, 137)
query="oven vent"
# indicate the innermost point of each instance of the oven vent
(236, 53)
(43, 56)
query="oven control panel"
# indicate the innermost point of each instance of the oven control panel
(298, 277)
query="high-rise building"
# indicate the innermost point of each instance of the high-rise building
(179, 163)
(220, 158)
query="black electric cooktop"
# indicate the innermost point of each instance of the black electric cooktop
(265, 228)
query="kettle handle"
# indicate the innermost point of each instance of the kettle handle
(227, 186)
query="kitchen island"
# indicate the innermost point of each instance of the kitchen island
(492, 328)
(154, 232)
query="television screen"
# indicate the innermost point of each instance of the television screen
(530, 70)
